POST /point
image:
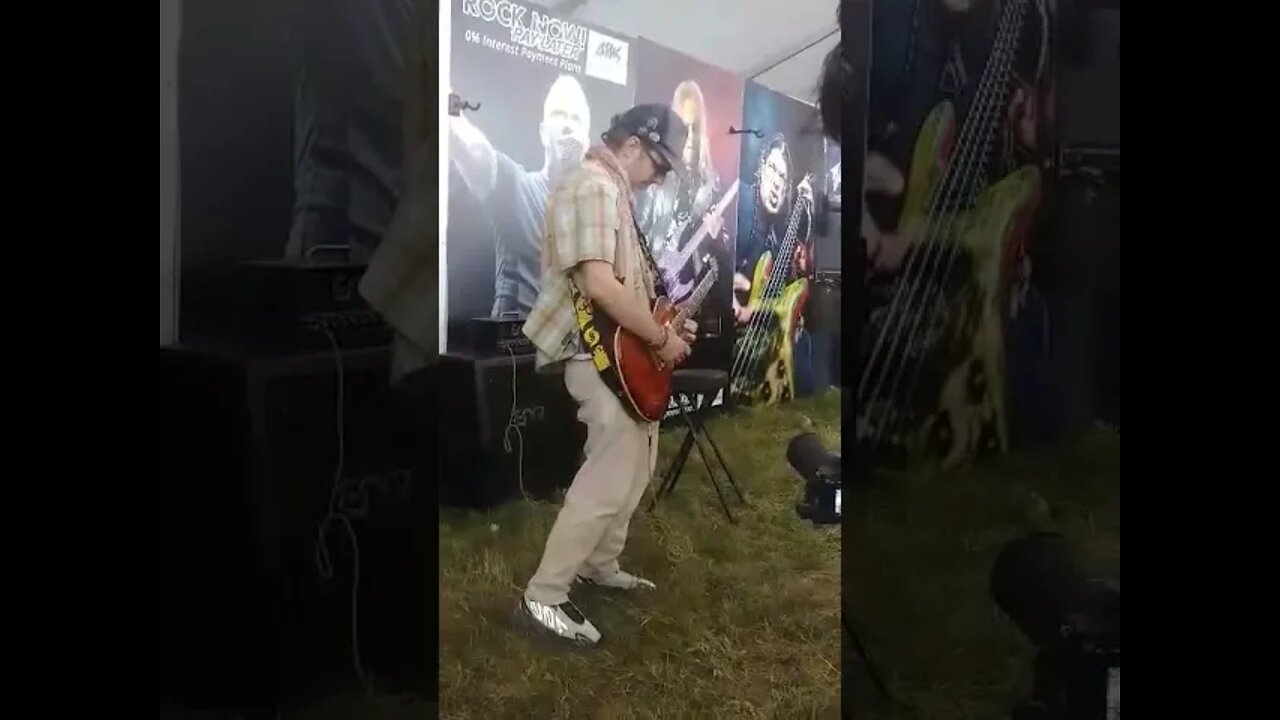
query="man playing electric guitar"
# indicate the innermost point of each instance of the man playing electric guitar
(593, 263)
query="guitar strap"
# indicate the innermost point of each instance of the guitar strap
(597, 332)
(659, 286)
(594, 342)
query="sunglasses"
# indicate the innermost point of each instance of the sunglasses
(659, 162)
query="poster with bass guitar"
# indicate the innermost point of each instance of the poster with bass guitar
(782, 170)
(691, 222)
(958, 154)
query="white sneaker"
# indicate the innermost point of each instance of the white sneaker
(619, 581)
(564, 620)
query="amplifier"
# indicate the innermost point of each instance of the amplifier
(828, 240)
(507, 428)
(298, 304)
(250, 453)
(826, 328)
(823, 312)
(1096, 161)
(503, 335)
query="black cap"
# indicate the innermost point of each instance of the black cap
(657, 126)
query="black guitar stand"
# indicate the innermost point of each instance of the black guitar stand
(707, 382)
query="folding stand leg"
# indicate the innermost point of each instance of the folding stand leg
(702, 452)
(866, 657)
(673, 471)
(732, 483)
(677, 465)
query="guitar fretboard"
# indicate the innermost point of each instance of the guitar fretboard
(694, 302)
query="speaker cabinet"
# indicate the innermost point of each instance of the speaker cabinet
(828, 250)
(824, 322)
(256, 616)
(504, 426)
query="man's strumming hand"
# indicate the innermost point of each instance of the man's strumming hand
(675, 351)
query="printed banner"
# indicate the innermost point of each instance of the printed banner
(959, 143)
(782, 169)
(691, 223)
(541, 89)
(351, 79)
(291, 139)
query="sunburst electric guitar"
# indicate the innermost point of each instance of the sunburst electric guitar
(763, 369)
(644, 377)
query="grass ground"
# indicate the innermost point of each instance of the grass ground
(746, 621)
(921, 550)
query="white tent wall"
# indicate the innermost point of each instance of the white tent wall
(780, 45)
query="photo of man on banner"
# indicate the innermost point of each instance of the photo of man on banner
(517, 195)
(536, 90)
(692, 220)
(781, 169)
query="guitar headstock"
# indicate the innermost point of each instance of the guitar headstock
(804, 188)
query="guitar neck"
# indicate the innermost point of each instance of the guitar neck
(782, 264)
(699, 294)
(696, 240)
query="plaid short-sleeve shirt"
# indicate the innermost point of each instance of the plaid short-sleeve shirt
(589, 217)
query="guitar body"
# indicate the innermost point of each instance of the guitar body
(930, 158)
(773, 355)
(973, 401)
(935, 384)
(646, 379)
(760, 280)
(968, 413)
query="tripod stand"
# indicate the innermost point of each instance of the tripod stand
(684, 384)
(852, 637)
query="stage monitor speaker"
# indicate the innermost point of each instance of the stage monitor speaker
(254, 620)
(827, 239)
(822, 317)
(824, 302)
(506, 430)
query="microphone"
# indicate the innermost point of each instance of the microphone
(1038, 582)
(820, 470)
(813, 462)
(1072, 617)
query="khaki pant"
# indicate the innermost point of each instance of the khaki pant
(591, 528)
